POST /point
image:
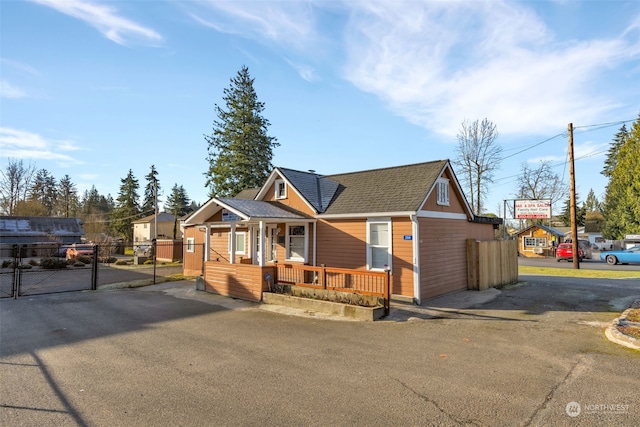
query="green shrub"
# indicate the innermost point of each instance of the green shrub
(6, 263)
(79, 264)
(84, 259)
(25, 267)
(33, 262)
(53, 263)
(109, 260)
(121, 262)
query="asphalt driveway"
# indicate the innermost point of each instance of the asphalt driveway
(535, 354)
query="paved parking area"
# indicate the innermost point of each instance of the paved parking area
(165, 355)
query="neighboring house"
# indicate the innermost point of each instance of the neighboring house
(413, 220)
(144, 229)
(539, 241)
(35, 229)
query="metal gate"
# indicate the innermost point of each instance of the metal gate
(44, 269)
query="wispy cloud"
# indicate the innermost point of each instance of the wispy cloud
(7, 90)
(288, 23)
(21, 144)
(106, 20)
(437, 63)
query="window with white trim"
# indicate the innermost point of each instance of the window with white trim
(281, 189)
(191, 244)
(297, 243)
(535, 242)
(240, 242)
(379, 244)
(442, 189)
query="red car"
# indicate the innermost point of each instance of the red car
(565, 251)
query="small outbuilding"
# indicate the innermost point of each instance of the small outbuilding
(539, 241)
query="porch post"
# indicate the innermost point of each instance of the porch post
(415, 230)
(207, 241)
(315, 228)
(261, 254)
(232, 255)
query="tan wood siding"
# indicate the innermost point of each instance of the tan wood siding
(292, 200)
(443, 259)
(443, 263)
(456, 202)
(236, 280)
(402, 262)
(342, 243)
(193, 261)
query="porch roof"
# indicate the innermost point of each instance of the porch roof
(259, 209)
(248, 211)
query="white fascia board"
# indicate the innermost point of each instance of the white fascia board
(196, 217)
(276, 174)
(272, 220)
(456, 183)
(366, 215)
(209, 209)
(442, 215)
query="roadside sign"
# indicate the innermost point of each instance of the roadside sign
(532, 209)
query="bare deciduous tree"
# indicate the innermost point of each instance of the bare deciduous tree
(478, 157)
(15, 182)
(541, 183)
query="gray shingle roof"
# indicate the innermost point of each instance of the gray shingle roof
(394, 189)
(260, 209)
(316, 189)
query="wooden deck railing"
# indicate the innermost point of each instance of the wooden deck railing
(374, 283)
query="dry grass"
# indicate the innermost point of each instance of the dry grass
(570, 272)
(632, 331)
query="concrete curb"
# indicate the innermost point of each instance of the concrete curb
(614, 335)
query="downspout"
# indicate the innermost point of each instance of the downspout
(207, 241)
(415, 230)
(232, 237)
(315, 228)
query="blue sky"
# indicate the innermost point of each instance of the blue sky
(95, 88)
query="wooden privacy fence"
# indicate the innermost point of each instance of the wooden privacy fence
(374, 283)
(491, 263)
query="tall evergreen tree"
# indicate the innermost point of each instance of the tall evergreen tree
(592, 204)
(44, 190)
(239, 149)
(565, 216)
(612, 155)
(67, 197)
(621, 206)
(178, 205)
(149, 201)
(127, 208)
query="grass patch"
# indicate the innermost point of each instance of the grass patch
(570, 272)
(632, 331)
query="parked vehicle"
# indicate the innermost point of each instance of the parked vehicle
(565, 252)
(585, 246)
(144, 249)
(76, 250)
(622, 256)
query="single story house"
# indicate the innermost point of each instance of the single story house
(144, 229)
(539, 241)
(35, 231)
(412, 220)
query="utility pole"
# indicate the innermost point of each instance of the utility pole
(572, 205)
